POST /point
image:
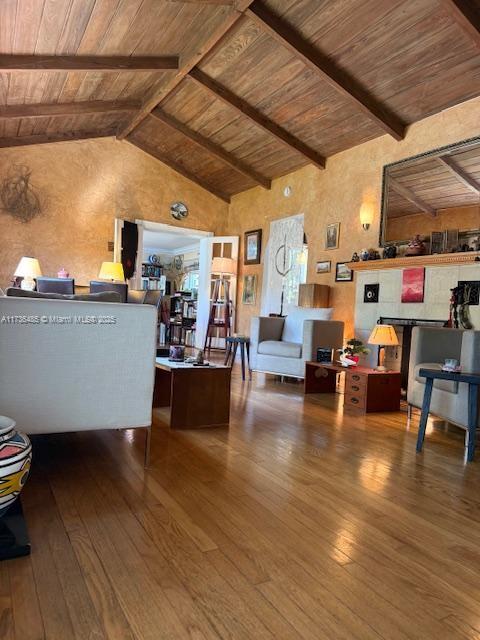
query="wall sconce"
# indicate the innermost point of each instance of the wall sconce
(366, 215)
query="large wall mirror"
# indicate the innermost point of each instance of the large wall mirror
(435, 195)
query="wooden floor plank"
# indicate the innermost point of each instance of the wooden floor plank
(298, 521)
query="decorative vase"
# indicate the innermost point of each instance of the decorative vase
(63, 273)
(15, 460)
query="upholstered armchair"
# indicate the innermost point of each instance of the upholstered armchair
(282, 345)
(429, 349)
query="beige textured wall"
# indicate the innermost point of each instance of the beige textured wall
(84, 186)
(461, 218)
(336, 194)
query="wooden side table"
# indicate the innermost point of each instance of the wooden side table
(366, 390)
(473, 381)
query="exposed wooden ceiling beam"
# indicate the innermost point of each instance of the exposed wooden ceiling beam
(17, 111)
(467, 16)
(461, 175)
(10, 63)
(23, 141)
(256, 117)
(212, 148)
(411, 197)
(179, 168)
(158, 95)
(218, 3)
(324, 68)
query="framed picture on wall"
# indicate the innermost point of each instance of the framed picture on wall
(413, 282)
(332, 236)
(252, 247)
(249, 289)
(325, 266)
(343, 273)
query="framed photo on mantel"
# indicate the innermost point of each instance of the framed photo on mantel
(252, 247)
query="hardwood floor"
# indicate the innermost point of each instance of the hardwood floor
(297, 522)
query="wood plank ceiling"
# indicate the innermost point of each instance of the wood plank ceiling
(233, 93)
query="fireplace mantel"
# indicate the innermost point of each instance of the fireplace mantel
(437, 260)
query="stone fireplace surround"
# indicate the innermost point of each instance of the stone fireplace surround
(435, 307)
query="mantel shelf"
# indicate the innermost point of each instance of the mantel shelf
(437, 260)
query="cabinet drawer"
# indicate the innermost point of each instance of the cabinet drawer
(355, 400)
(353, 379)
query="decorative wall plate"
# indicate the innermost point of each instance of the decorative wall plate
(178, 210)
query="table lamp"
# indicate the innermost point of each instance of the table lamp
(224, 266)
(111, 271)
(28, 269)
(384, 335)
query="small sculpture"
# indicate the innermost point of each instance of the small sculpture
(416, 247)
(373, 254)
(63, 273)
(390, 251)
(364, 254)
(355, 257)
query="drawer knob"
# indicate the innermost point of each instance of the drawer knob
(354, 400)
(355, 377)
(355, 387)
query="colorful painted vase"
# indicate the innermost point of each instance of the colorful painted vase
(15, 460)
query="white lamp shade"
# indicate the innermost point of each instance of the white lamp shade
(224, 265)
(366, 213)
(28, 268)
(384, 335)
(111, 271)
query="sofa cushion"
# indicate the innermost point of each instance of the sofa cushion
(444, 385)
(103, 296)
(280, 348)
(293, 326)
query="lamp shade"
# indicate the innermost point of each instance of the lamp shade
(366, 214)
(28, 268)
(224, 265)
(384, 335)
(111, 271)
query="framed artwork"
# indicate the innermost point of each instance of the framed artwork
(370, 292)
(252, 247)
(343, 273)
(437, 242)
(249, 289)
(323, 267)
(332, 236)
(413, 282)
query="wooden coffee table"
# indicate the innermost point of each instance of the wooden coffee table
(193, 397)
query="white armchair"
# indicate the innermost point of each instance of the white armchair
(282, 345)
(430, 347)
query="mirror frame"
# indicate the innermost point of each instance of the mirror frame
(427, 154)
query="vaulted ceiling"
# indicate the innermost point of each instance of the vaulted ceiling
(232, 93)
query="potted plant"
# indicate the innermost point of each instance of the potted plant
(353, 349)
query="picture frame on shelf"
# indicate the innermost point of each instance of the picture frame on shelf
(437, 242)
(323, 266)
(252, 247)
(343, 273)
(249, 294)
(332, 236)
(451, 240)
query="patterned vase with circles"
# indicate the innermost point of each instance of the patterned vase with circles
(15, 460)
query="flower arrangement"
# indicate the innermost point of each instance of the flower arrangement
(350, 354)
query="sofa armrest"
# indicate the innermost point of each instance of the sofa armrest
(321, 333)
(263, 328)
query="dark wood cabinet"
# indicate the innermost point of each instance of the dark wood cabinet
(366, 390)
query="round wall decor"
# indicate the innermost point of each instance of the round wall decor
(178, 210)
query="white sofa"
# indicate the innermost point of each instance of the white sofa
(74, 366)
(282, 345)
